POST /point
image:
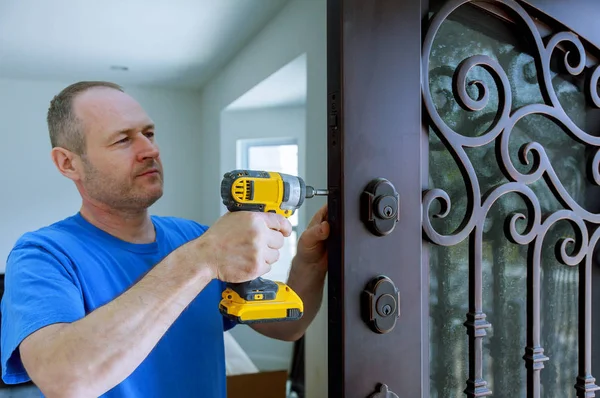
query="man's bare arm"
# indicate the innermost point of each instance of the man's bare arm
(88, 357)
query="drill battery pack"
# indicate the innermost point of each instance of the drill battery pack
(260, 301)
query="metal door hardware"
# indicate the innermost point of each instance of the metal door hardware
(384, 392)
(380, 207)
(381, 304)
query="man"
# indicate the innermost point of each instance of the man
(114, 302)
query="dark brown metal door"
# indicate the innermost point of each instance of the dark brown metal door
(464, 171)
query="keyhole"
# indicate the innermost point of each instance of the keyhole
(388, 211)
(387, 309)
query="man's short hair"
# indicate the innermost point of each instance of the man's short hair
(65, 129)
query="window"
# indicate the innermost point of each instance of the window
(279, 155)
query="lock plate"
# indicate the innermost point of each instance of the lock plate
(384, 392)
(381, 304)
(380, 207)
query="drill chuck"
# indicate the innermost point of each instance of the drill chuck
(294, 192)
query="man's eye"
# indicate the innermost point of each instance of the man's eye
(149, 134)
(123, 140)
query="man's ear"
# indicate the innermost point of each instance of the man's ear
(67, 162)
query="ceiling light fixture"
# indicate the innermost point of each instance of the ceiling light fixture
(119, 68)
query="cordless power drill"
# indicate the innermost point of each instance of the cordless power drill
(262, 300)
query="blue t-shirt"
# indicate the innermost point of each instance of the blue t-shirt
(64, 271)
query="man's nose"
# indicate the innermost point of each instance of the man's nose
(146, 148)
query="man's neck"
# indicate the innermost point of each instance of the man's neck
(132, 227)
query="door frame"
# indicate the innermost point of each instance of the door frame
(362, 37)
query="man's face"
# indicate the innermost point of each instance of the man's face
(122, 168)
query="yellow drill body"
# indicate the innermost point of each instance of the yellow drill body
(262, 191)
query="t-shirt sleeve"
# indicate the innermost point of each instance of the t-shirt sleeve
(228, 324)
(39, 291)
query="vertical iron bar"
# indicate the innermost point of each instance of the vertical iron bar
(476, 322)
(534, 354)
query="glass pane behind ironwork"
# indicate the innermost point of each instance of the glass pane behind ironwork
(469, 32)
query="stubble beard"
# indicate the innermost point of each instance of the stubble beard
(123, 196)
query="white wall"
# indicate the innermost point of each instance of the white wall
(299, 28)
(35, 194)
(277, 122)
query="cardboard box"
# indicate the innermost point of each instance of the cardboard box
(262, 384)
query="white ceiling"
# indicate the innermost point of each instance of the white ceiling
(177, 43)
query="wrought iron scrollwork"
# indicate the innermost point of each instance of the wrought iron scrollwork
(571, 252)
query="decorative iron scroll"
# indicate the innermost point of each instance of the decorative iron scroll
(571, 252)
